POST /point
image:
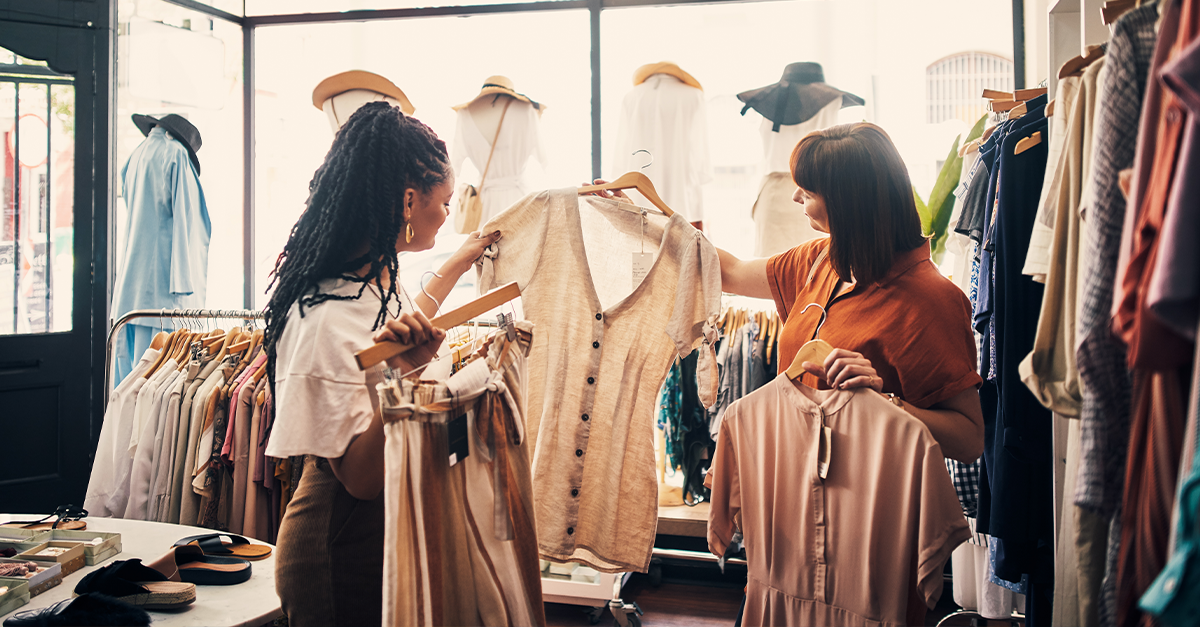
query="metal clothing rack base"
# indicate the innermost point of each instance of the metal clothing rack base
(163, 314)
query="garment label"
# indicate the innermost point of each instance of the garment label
(641, 267)
(825, 453)
(457, 438)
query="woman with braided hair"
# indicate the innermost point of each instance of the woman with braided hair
(384, 187)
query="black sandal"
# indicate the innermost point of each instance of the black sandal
(68, 516)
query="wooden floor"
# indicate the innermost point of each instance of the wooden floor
(668, 605)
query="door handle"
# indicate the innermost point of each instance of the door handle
(19, 367)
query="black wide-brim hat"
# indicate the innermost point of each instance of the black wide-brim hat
(178, 127)
(799, 95)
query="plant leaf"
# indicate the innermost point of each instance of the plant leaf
(923, 211)
(942, 199)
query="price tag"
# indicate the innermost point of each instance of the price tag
(641, 267)
(457, 438)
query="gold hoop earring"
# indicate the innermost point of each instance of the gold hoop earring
(408, 233)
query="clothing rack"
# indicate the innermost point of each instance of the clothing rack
(173, 314)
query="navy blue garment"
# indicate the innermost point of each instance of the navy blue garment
(1022, 475)
(984, 307)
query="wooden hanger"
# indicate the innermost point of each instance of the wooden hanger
(1028, 142)
(159, 340)
(814, 350)
(231, 336)
(992, 94)
(386, 350)
(1000, 106)
(987, 132)
(1018, 111)
(167, 349)
(1114, 9)
(632, 180)
(1050, 109)
(1076, 65)
(1029, 94)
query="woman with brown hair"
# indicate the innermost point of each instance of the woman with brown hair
(896, 324)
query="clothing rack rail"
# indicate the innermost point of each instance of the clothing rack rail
(164, 314)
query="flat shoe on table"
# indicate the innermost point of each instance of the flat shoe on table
(214, 544)
(188, 563)
(134, 583)
(88, 610)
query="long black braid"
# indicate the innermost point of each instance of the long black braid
(356, 194)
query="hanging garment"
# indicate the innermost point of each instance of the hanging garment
(603, 349)
(1157, 354)
(518, 142)
(1050, 370)
(1174, 290)
(108, 487)
(165, 260)
(957, 262)
(867, 541)
(150, 409)
(913, 325)
(973, 588)
(1022, 515)
(460, 545)
(666, 117)
(1105, 408)
(181, 474)
(780, 223)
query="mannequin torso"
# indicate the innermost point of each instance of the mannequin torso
(486, 112)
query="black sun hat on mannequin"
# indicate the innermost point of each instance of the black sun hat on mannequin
(178, 127)
(800, 94)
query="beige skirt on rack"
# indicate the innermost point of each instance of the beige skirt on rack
(461, 544)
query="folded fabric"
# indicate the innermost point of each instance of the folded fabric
(134, 583)
(88, 610)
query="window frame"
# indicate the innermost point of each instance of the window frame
(250, 23)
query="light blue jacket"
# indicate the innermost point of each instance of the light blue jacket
(165, 260)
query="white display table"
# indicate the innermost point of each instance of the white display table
(250, 604)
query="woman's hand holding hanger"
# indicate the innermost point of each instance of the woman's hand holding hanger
(415, 330)
(845, 370)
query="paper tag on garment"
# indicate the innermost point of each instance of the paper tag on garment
(457, 438)
(960, 191)
(641, 267)
(825, 453)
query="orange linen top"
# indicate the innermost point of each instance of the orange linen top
(914, 325)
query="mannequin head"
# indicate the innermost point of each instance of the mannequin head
(383, 168)
(853, 185)
(340, 95)
(339, 108)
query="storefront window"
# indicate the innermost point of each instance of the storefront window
(174, 60)
(37, 131)
(438, 63)
(878, 50)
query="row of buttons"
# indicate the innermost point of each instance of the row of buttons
(585, 418)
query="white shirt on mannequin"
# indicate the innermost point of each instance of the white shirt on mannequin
(518, 142)
(666, 117)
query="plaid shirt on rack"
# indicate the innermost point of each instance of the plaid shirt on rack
(966, 484)
(1105, 410)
